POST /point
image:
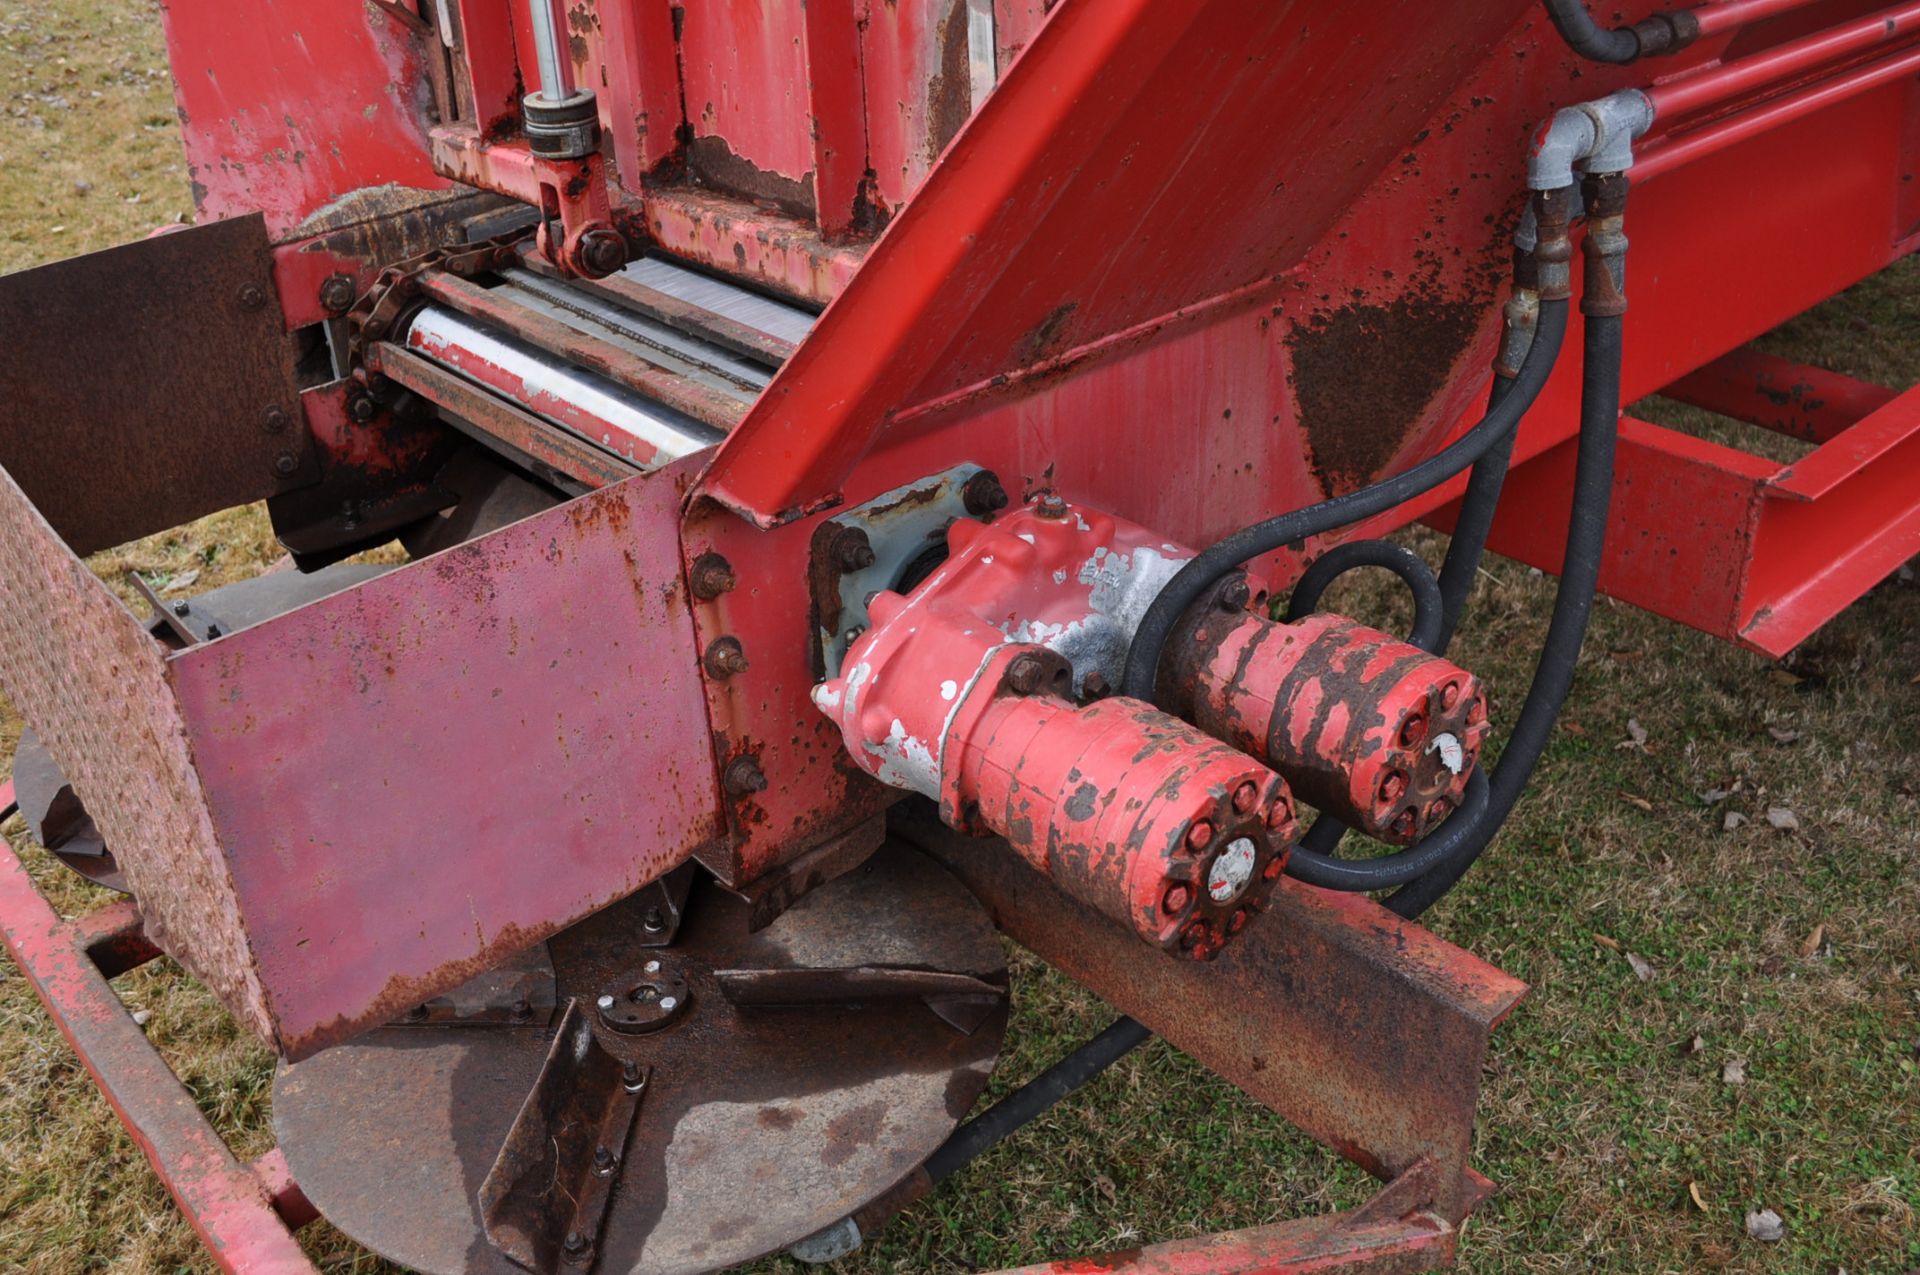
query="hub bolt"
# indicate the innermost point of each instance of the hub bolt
(1023, 675)
(1244, 796)
(1199, 835)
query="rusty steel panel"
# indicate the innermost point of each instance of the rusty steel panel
(316, 115)
(93, 684)
(146, 385)
(1111, 118)
(420, 775)
(1363, 1029)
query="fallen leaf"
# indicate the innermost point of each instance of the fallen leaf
(1811, 944)
(1766, 1226)
(1636, 736)
(141, 1017)
(1104, 1185)
(182, 580)
(1575, 728)
(1641, 969)
(1784, 678)
(1783, 735)
(1733, 820)
(1611, 944)
(1699, 1201)
(1695, 1045)
(1734, 1071)
(1782, 818)
(1637, 802)
(1714, 796)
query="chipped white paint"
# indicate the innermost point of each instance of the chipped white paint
(1232, 870)
(1452, 755)
(949, 689)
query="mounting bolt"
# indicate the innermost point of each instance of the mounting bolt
(1199, 835)
(651, 967)
(1234, 595)
(252, 296)
(1024, 674)
(574, 1247)
(180, 608)
(286, 464)
(632, 1079)
(522, 1010)
(710, 576)
(725, 657)
(744, 777)
(603, 1161)
(602, 252)
(1050, 506)
(361, 407)
(605, 1002)
(1244, 796)
(274, 420)
(851, 549)
(1095, 685)
(982, 494)
(338, 293)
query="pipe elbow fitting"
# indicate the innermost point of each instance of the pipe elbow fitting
(1594, 137)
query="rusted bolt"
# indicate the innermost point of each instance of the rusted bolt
(631, 1077)
(653, 923)
(180, 608)
(983, 494)
(1237, 922)
(1199, 835)
(361, 407)
(852, 551)
(1050, 506)
(602, 252)
(603, 1161)
(252, 296)
(1244, 796)
(374, 330)
(710, 576)
(1234, 595)
(1278, 813)
(574, 1247)
(1176, 899)
(1024, 675)
(337, 293)
(522, 1010)
(1449, 695)
(1438, 811)
(1405, 825)
(274, 420)
(418, 1014)
(1274, 868)
(744, 777)
(286, 464)
(1196, 935)
(1095, 685)
(1392, 787)
(725, 657)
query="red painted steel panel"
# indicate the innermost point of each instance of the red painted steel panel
(313, 114)
(1118, 117)
(744, 75)
(420, 775)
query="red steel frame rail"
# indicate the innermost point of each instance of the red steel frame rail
(246, 1214)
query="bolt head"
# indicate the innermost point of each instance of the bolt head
(1234, 595)
(605, 1002)
(274, 420)
(1244, 796)
(286, 464)
(745, 778)
(602, 252)
(1176, 899)
(1050, 506)
(252, 296)
(852, 550)
(651, 967)
(710, 576)
(669, 1003)
(983, 494)
(1095, 685)
(361, 407)
(337, 293)
(1199, 835)
(1023, 675)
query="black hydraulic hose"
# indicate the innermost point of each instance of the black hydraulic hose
(1471, 528)
(981, 1133)
(1312, 860)
(1572, 607)
(1661, 33)
(1403, 562)
(1199, 573)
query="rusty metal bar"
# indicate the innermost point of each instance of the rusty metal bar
(498, 419)
(228, 1204)
(681, 316)
(1366, 1031)
(598, 356)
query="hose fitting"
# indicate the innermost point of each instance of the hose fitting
(1596, 135)
(1604, 280)
(1552, 245)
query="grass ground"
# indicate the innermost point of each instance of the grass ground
(1609, 1114)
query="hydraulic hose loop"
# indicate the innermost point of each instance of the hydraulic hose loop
(1193, 580)
(1586, 543)
(1404, 563)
